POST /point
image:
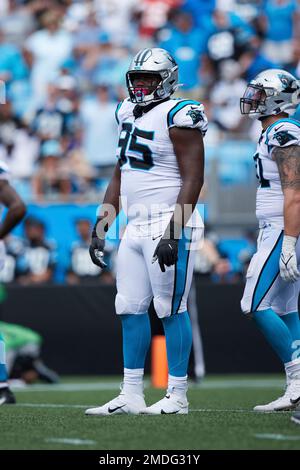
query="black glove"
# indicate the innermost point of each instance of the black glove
(166, 253)
(97, 247)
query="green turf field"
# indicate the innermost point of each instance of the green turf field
(52, 417)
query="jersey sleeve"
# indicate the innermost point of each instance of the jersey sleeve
(123, 111)
(188, 114)
(4, 172)
(117, 112)
(284, 134)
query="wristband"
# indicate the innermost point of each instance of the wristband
(289, 243)
(100, 228)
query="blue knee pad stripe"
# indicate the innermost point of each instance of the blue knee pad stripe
(181, 267)
(267, 275)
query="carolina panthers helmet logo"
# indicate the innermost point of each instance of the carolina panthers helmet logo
(287, 83)
(195, 114)
(142, 56)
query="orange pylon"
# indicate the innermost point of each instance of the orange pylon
(159, 363)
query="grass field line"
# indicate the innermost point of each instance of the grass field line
(50, 405)
(74, 442)
(277, 437)
(199, 410)
(69, 387)
(206, 385)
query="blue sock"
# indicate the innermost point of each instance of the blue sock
(178, 332)
(136, 339)
(3, 373)
(292, 321)
(276, 333)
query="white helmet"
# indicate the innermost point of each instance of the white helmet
(157, 62)
(271, 92)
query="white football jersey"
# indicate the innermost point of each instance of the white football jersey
(150, 177)
(269, 200)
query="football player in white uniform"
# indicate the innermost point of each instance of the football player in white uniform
(159, 172)
(16, 211)
(273, 278)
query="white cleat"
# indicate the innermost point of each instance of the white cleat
(287, 402)
(125, 403)
(171, 404)
(295, 392)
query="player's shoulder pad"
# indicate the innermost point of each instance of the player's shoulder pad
(4, 171)
(187, 113)
(123, 109)
(283, 133)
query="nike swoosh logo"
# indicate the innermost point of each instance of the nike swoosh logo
(2, 401)
(276, 128)
(296, 419)
(295, 402)
(154, 238)
(165, 413)
(111, 410)
(286, 262)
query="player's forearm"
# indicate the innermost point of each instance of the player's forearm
(111, 198)
(111, 205)
(14, 215)
(189, 150)
(185, 205)
(288, 162)
(292, 213)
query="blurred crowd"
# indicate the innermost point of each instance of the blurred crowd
(63, 63)
(34, 259)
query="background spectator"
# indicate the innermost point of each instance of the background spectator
(186, 43)
(82, 270)
(50, 181)
(279, 22)
(49, 47)
(36, 260)
(100, 130)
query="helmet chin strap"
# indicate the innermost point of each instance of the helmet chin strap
(262, 118)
